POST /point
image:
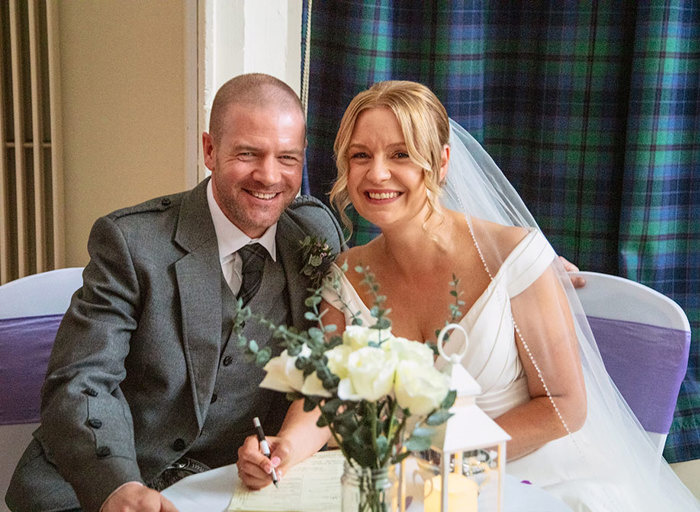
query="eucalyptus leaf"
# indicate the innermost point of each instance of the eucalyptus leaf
(364, 455)
(309, 404)
(363, 435)
(316, 334)
(382, 324)
(331, 406)
(417, 443)
(423, 431)
(312, 300)
(438, 417)
(263, 356)
(449, 399)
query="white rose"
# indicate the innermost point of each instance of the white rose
(314, 387)
(407, 350)
(370, 375)
(282, 373)
(338, 360)
(357, 336)
(418, 388)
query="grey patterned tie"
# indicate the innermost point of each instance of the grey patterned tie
(253, 257)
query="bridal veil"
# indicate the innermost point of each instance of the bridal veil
(611, 447)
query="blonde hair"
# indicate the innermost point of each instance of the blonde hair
(425, 127)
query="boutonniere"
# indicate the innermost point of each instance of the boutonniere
(316, 255)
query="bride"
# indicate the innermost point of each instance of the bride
(446, 214)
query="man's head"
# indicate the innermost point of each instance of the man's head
(255, 150)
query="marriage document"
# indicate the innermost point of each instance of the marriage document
(312, 486)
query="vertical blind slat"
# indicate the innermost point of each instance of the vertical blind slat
(4, 206)
(37, 138)
(17, 104)
(56, 135)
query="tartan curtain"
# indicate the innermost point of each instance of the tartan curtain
(592, 110)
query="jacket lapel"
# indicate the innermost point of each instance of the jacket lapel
(198, 278)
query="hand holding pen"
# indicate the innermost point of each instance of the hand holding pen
(264, 446)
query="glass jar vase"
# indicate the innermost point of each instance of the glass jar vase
(369, 490)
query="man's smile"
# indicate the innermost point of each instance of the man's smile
(262, 195)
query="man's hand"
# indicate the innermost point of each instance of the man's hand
(254, 468)
(577, 281)
(134, 497)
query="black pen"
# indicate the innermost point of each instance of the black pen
(264, 447)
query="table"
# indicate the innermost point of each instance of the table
(211, 491)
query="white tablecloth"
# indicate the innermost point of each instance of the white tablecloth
(211, 491)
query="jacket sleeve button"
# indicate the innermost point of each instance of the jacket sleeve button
(90, 391)
(95, 423)
(165, 201)
(179, 445)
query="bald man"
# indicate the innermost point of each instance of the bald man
(146, 378)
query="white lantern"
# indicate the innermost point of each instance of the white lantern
(462, 475)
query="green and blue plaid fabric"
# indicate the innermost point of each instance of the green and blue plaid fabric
(592, 110)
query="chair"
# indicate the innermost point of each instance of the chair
(31, 308)
(644, 340)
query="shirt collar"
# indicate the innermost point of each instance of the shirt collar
(230, 238)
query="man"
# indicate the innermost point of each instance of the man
(145, 368)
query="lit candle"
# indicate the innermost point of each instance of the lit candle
(463, 494)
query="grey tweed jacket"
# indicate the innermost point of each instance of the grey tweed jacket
(139, 347)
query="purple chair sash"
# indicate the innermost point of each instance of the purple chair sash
(647, 363)
(25, 347)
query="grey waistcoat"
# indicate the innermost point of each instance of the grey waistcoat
(237, 396)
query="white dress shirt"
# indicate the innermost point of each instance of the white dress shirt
(230, 238)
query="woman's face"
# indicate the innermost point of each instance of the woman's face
(384, 185)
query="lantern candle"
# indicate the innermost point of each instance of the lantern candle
(462, 494)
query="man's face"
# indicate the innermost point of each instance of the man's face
(257, 164)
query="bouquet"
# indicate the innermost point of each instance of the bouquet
(379, 394)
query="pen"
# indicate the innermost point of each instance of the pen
(264, 446)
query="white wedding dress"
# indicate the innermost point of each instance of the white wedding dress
(568, 467)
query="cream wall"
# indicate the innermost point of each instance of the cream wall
(124, 66)
(137, 81)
